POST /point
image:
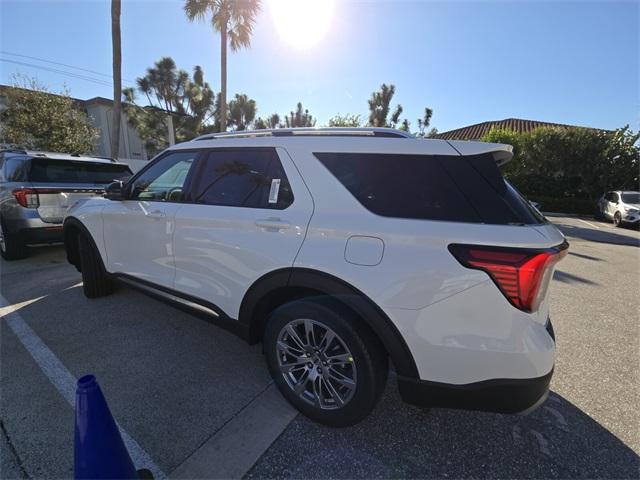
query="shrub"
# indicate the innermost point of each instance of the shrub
(571, 163)
(581, 206)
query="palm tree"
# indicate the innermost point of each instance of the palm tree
(117, 77)
(242, 111)
(234, 20)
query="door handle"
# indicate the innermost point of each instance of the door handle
(272, 224)
(156, 214)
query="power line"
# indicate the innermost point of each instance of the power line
(61, 72)
(4, 52)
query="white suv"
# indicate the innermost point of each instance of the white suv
(621, 207)
(342, 250)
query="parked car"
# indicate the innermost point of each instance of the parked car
(36, 188)
(623, 207)
(342, 250)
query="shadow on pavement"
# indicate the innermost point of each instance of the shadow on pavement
(586, 257)
(565, 277)
(557, 440)
(599, 236)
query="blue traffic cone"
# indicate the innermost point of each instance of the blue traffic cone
(99, 451)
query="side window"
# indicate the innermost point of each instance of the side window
(164, 180)
(241, 178)
(16, 169)
(615, 198)
(431, 187)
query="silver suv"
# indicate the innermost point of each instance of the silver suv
(37, 188)
(621, 207)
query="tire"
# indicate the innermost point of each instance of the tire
(95, 281)
(11, 247)
(617, 219)
(348, 390)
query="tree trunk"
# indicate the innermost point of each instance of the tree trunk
(117, 77)
(223, 79)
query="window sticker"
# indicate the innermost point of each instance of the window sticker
(275, 189)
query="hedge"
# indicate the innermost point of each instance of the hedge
(582, 206)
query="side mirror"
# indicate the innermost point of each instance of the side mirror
(114, 191)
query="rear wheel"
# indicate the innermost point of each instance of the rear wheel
(325, 361)
(617, 219)
(95, 281)
(11, 247)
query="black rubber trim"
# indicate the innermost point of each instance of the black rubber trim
(74, 222)
(499, 395)
(222, 320)
(327, 284)
(549, 328)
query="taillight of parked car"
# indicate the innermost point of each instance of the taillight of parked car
(27, 197)
(522, 275)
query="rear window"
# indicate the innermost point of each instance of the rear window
(431, 187)
(65, 171)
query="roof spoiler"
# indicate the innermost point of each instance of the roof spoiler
(502, 153)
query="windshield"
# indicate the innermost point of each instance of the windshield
(65, 171)
(632, 197)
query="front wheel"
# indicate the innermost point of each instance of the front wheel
(325, 361)
(617, 219)
(95, 281)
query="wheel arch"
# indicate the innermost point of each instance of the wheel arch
(71, 228)
(280, 286)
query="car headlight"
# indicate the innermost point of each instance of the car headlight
(631, 210)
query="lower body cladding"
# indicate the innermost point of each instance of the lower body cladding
(475, 351)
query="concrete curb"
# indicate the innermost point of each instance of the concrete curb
(570, 215)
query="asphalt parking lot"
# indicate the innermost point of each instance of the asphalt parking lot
(187, 392)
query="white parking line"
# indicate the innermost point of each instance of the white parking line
(588, 223)
(62, 379)
(238, 445)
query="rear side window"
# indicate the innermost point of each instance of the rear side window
(459, 189)
(241, 178)
(66, 171)
(16, 169)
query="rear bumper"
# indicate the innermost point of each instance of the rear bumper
(49, 234)
(499, 396)
(515, 395)
(34, 230)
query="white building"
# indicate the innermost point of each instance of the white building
(100, 110)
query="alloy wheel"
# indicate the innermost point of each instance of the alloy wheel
(316, 364)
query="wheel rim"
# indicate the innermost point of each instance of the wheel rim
(616, 219)
(316, 364)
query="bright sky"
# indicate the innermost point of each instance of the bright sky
(573, 62)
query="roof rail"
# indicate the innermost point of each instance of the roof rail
(13, 150)
(310, 132)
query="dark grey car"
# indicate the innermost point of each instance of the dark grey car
(37, 188)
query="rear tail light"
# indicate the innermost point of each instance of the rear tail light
(522, 275)
(27, 197)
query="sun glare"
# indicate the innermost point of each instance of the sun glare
(302, 23)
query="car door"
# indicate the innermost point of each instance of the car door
(138, 231)
(245, 215)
